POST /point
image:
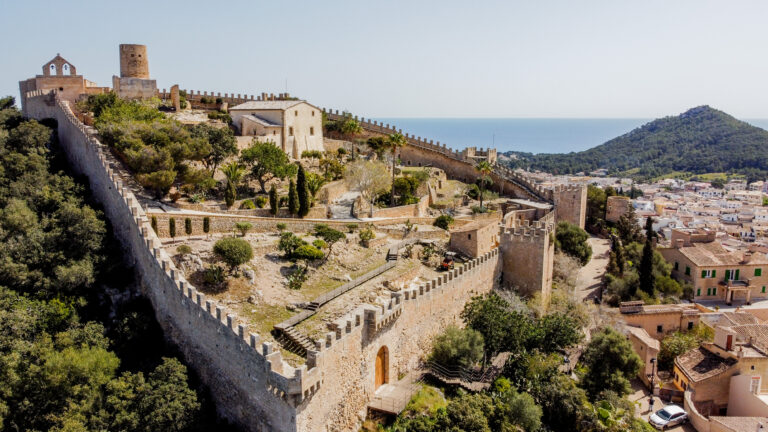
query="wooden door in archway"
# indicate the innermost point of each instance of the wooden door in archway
(382, 367)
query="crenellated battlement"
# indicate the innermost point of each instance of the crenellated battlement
(230, 98)
(371, 319)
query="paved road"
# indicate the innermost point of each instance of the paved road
(590, 276)
(640, 397)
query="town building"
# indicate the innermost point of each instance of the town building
(293, 125)
(715, 272)
(738, 360)
(476, 238)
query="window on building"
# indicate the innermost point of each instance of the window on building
(313, 113)
(53, 69)
(698, 291)
(469, 236)
(687, 271)
(709, 291)
(758, 272)
(708, 273)
(659, 329)
(690, 325)
(290, 131)
(677, 265)
(763, 290)
(714, 291)
(296, 113)
(311, 130)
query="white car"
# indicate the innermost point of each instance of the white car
(670, 415)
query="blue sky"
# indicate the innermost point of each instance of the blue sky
(542, 58)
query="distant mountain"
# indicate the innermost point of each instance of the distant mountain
(701, 140)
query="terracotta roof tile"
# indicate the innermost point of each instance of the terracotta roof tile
(699, 364)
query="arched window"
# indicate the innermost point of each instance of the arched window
(65, 69)
(52, 68)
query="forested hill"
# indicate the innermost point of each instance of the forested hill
(701, 140)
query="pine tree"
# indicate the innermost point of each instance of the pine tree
(301, 185)
(617, 256)
(647, 279)
(273, 201)
(293, 198)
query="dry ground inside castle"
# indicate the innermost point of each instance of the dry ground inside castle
(259, 291)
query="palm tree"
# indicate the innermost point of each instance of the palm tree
(485, 169)
(234, 173)
(395, 141)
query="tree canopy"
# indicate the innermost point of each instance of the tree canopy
(266, 160)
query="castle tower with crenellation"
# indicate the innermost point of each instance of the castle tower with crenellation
(528, 253)
(134, 81)
(133, 61)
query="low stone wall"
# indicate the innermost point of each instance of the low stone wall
(699, 422)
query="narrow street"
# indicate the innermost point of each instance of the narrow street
(590, 276)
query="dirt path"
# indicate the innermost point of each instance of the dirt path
(590, 276)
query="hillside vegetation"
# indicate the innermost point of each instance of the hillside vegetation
(701, 140)
(71, 358)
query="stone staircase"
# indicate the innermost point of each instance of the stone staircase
(292, 340)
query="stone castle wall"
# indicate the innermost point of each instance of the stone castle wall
(405, 326)
(249, 381)
(570, 201)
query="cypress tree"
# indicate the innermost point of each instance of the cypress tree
(188, 226)
(273, 201)
(293, 198)
(172, 227)
(153, 222)
(301, 185)
(647, 280)
(206, 224)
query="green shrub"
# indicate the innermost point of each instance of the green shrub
(247, 205)
(443, 221)
(206, 224)
(153, 222)
(172, 227)
(457, 347)
(188, 226)
(297, 278)
(281, 226)
(261, 201)
(288, 243)
(307, 252)
(233, 251)
(243, 227)
(219, 101)
(366, 235)
(320, 244)
(214, 275)
(183, 250)
(478, 209)
(351, 227)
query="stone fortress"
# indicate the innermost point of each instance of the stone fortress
(374, 344)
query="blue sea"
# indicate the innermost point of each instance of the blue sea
(536, 135)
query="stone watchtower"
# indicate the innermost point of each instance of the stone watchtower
(133, 61)
(134, 81)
